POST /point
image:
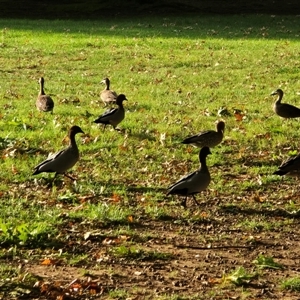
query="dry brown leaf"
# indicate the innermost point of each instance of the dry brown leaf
(204, 214)
(48, 261)
(76, 286)
(239, 116)
(93, 291)
(123, 148)
(116, 198)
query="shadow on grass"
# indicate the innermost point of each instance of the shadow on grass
(32, 243)
(278, 212)
(193, 26)
(19, 290)
(116, 8)
(142, 136)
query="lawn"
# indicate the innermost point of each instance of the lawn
(113, 233)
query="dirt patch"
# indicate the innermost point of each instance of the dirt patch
(187, 257)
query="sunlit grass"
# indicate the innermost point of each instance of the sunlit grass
(177, 74)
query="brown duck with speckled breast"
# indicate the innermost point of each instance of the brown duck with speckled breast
(44, 102)
(108, 96)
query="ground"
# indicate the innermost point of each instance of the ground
(189, 257)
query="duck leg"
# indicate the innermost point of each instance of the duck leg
(196, 200)
(70, 177)
(50, 184)
(183, 203)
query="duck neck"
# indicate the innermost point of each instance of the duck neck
(42, 92)
(121, 105)
(107, 86)
(203, 163)
(72, 140)
(279, 98)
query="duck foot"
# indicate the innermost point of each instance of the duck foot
(183, 203)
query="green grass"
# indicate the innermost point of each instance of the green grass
(291, 284)
(263, 262)
(177, 74)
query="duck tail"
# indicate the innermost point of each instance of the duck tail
(97, 121)
(279, 172)
(186, 141)
(36, 171)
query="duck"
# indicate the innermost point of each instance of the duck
(108, 96)
(284, 110)
(44, 102)
(113, 116)
(195, 182)
(62, 160)
(209, 138)
(290, 167)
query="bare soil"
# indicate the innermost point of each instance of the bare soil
(196, 255)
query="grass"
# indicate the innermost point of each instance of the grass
(180, 74)
(292, 284)
(266, 262)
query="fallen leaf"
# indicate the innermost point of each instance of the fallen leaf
(116, 198)
(48, 262)
(238, 116)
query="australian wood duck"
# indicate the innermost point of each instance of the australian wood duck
(290, 167)
(63, 160)
(44, 102)
(115, 115)
(284, 110)
(208, 138)
(108, 96)
(194, 182)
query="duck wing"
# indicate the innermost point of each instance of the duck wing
(40, 167)
(286, 110)
(209, 138)
(198, 137)
(106, 115)
(59, 162)
(182, 183)
(108, 96)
